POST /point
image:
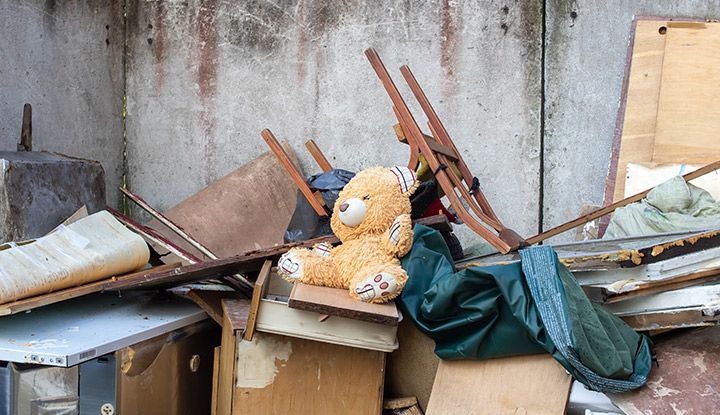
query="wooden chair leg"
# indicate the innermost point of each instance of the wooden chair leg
(293, 171)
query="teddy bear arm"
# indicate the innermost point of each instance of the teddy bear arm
(308, 267)
(397, 240)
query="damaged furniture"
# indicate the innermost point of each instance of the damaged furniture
(310, 343)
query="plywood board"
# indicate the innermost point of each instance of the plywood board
(248, 209)
(688, 113)
(411, 368)
(641, 97)
(534, 384)
(337, 302)
(285, 375)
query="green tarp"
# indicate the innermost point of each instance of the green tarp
(523, 307)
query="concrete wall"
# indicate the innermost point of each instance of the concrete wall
(66, 59)
(205, 77)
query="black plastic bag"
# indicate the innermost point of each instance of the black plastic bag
(305, 222)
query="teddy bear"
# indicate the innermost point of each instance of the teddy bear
(371, 217)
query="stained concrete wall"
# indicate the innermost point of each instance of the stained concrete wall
(586, 46)
(66, 59)
(205, 77)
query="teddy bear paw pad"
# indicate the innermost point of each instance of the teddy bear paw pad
(290, 267)
(375, 286)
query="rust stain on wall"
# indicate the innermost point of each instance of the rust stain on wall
(159, 43)
(207, 41)
(302, 41)
(449, 28)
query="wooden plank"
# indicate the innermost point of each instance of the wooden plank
(74, 292)
(283, 375)
(318, 155)
(399, 403)
(293, 171)
(655, 287)
(167, 222)
(236, 311)
(672, 319)
(211, 301)
(337, 302)
(684, 380)
(703, 296)
(250, 261)
(688, 112)
(226, 374)
(25, 143)
(258, 293)
(637, 125)
(216, 376)
(534, 384)
(152, 236)
(611, 208)
(277, 318)
(180, 232)
(205, 215)
(411, 368)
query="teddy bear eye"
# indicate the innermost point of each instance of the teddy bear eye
(366, 197)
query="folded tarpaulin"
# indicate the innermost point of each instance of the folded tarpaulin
(524, 307)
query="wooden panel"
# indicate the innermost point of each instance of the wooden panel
(411, 368)
(258, 292)
(688, 117)
(210, 301)
(284, 375)
(337, 302)
(534, 384)
(638, 128)
(226, 375)
(275, 317)
(156, 376)
(230, 216)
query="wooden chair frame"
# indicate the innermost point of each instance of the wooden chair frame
(440, 153)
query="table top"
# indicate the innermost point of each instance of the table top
(70, 332)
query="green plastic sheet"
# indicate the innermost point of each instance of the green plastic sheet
(522, 307)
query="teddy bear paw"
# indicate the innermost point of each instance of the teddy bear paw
(375, 286)
(290, 267)
(322, 249)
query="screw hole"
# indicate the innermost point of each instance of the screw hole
(662, 30)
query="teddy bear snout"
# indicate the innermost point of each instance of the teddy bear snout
(352, 212)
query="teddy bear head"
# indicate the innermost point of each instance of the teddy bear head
(371, 201)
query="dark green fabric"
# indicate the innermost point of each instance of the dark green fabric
(486, 312)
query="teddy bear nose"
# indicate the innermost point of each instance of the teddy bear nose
(344, 207)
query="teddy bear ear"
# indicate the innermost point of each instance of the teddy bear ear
(405, 177)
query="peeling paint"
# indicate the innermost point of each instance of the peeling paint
(659, 390)
(258, 360)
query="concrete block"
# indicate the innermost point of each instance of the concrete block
(66, 59)
(39, 190)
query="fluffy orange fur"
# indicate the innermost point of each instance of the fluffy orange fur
(367, 249)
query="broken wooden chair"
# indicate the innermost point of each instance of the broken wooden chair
(445, 162)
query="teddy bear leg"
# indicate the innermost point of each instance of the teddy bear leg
(307, 266)
(378, 283)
